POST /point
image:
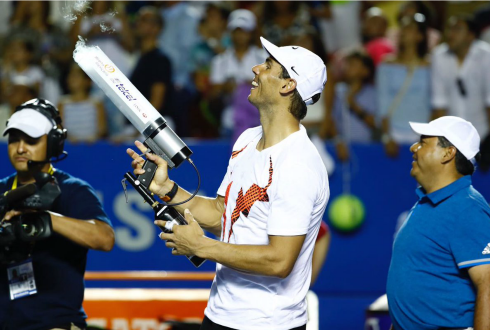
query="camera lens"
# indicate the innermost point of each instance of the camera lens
(29, 229)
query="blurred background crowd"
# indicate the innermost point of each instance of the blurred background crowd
(388, 63)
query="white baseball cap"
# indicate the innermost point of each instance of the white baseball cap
(461, 133)
(242, 18)
(29, 121)
(304, 66)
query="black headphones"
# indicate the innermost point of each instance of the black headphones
(58, 134)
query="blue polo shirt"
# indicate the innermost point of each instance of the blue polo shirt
(446, 232)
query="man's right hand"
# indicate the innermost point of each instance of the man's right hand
(161, 184)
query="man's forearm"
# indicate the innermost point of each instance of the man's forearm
(269, 260)
(207, 211)
(91, 234)
(482, 309)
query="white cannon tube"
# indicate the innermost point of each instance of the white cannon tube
(116, 86)
(144, 117)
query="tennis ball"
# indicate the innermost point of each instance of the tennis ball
(346, 213)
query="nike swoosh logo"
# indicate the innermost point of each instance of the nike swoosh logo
(292, 68)
(295, 47)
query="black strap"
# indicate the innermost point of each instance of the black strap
(171, 194)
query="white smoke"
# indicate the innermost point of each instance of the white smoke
(80, 44)
(106, 28)
(72, 9)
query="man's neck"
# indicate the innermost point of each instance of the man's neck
(276, 127)
(440, 181)
(147, 45)
(240, 51)
(25, 177)
(21, 67)
(79, 95)
(462, 52)
(409, 55)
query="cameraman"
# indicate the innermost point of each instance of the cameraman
(53, 300)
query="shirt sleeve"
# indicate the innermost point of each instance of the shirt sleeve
(470, 241)
(226, 181)
(323, 230)
(82, 203)
(292, 201)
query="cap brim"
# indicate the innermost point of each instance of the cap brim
(233, 27)
(425, 129)
(30, 122)
(270, 48)
(278, 55)
(32, 131)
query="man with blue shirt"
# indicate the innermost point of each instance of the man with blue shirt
(41, 285)
(439, 277)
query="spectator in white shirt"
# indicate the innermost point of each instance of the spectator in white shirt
(231, 76)
(461, 75)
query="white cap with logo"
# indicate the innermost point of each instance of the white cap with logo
(243, 19)
(29, 121)
(461, 133)
(304, 66)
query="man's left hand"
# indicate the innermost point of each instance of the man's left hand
(185, 240)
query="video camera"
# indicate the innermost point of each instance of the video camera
(17, 236)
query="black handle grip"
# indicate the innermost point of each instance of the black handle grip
(150, 168)
(162, 211)
(166, 213)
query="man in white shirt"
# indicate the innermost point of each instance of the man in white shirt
(269, 206)
(461, 75)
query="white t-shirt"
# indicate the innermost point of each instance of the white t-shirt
(227, 66)
(474, 74)
(282, 190)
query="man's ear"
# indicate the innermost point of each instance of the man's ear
(289, 85)
(449, 154)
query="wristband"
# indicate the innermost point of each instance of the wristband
(171, 194)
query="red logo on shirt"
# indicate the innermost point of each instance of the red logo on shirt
(224, 213)
(236, 153)
(245, 202)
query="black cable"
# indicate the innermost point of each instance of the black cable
(198, 186)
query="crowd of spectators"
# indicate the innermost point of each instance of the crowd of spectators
(388, 63)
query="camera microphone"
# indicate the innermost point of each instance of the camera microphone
(15, 195)
(36, 162)
(42, 162)
(11, 197)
